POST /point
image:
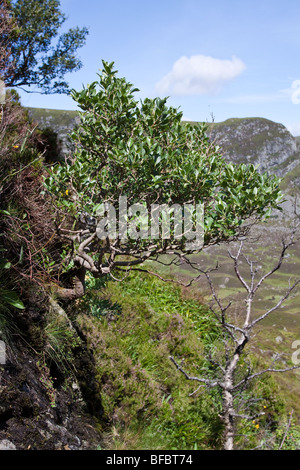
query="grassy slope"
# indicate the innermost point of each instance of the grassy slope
(275, 334)
(132, 328)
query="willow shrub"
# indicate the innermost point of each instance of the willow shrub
(143, 150)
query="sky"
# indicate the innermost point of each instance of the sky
(214, 60)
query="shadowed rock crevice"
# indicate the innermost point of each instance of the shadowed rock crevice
(44, 406)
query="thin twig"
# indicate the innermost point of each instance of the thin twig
(286, 431)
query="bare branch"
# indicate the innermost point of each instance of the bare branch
(207, 382)
(250, 418)
(277, 305)
(265, 371)
(286, 431)
(285, 247)
(238, 274)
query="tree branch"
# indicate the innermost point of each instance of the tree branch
(207, 382)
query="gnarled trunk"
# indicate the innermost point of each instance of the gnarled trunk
(78, 287)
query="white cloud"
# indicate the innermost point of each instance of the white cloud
(199, 75)
(296, 92)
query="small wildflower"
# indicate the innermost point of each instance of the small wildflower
(16, 146)
(257, 426)
(67, 192)
(265, 407)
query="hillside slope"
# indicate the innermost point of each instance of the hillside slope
(32, 423)
(248, 140)
(59, 121)
(259, 141)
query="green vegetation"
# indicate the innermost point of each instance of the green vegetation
(60, 341)
(92, 366)
(143, 152)
(148, 404)
(291, 181)
(39, 56)
(132, 327)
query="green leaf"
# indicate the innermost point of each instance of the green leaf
(12, 299)
(4, 264)
(145, 152)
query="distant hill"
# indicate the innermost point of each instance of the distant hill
(259, 141)
(60, 121)
(242, 140)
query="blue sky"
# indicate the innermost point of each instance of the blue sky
(219, 59)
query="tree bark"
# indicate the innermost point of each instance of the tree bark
(78, 288)
(228, 405)
(228, 420)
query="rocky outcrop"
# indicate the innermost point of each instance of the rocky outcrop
(59, 121)
(266, 144)
(46, 404)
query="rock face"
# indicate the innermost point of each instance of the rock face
(7, 445)
(59, 121)
(43, 404)
(27, 421)
(259, 141)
